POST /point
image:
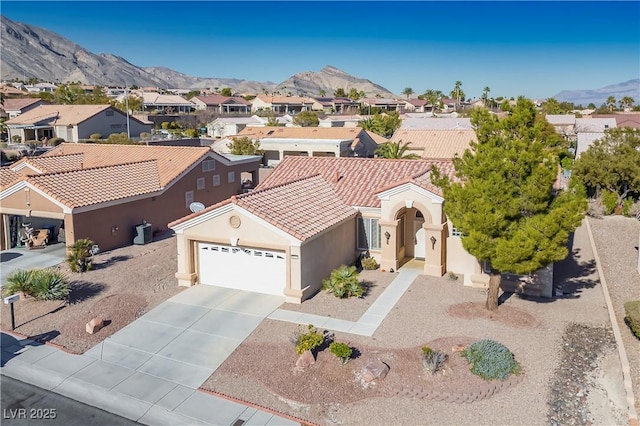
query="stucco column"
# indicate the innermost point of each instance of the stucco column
(5, 241)
(186, 274)
(280, 154)
(389, 258)
(435, 248)
(294, 291)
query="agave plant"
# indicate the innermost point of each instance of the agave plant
(343, 282)
(43, 284)
(18, 280)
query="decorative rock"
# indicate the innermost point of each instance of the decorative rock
(374, 369)
(94, 325)
(458, 348)
(305, 360)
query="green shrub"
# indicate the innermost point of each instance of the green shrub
(432, 360)
(79, 255)
(627, 204)
(342, 351)
(145, 135)
(43, 284)
(192, 133)
(16, 138)
(95, 136)
(491, 360)
(609, 201)
(369, 263)
(343, 282)
(632, 316)
(308, 341)
(55, 141)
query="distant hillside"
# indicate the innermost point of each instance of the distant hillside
(599, 96)
(29, 51)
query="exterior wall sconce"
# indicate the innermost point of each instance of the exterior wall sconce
(433, 242)
(387, 235)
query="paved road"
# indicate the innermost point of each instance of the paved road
(24, 404)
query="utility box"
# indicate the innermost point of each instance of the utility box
(143, 234)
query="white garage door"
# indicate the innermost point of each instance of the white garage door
(242, 268)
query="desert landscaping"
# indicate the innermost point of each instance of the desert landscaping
(570, 370)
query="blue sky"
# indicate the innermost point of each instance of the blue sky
(535, 49)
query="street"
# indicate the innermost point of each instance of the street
(24, 404)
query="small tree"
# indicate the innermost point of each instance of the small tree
(306, 119)
(244, 146)
(226, 91)
(503, 200)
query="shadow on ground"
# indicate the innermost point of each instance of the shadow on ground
(9, 255)
(109, 262)
(83, 290)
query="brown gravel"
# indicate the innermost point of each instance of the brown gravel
(123, 284)
(616, 238)
(261, 370)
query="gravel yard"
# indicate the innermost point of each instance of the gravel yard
(541, 334)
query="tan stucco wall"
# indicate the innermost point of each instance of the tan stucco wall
(460, 261)
(28, 201)
(325, 253)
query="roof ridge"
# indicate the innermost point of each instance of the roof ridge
(107, 166)
(262, 190)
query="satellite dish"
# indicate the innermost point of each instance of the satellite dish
(196, 206)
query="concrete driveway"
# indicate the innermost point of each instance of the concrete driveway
(185, 339)
(23, 258)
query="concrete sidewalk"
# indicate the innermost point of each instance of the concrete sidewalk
(150, 370)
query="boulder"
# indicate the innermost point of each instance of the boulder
(374, 369)
(94, 325)
(305, 360)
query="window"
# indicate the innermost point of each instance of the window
(188, 198)
(208, 165)
(216, 180)
(368, 234)
(231, 177)
(200, 183)
(455, 232)
(109, 112)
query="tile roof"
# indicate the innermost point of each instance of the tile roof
(60, 115)
(58, 163)
(289, 100)
(153, 98)
(216, 99)
(172, 160)
(623, 119)
(590, 125)
(8, 177)
(450, 123)
(96, 185)
(288, 206)
(357, 180)
(436, 143)
(16, 104)
(561, 119)
(343, 133)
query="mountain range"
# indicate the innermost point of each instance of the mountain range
(33, 52)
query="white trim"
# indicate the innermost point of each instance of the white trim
(369, 210)
(203, 218)
(410, 186)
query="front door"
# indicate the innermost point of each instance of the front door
(419, 248)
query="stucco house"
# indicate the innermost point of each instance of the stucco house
(588, 130)
(281, 104)
(222, 104)
(73, 123)
(159, 103)
(277, 142)
(335, 105)
(314, 213)
(103, 191)
(435, 143)
(13, 107)
(436, 123)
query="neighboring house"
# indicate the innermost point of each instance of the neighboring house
(222, 104)
(277, 142)
(433, 123)
(417, 105)
(223, 127)
(165, 104)
(41, 88)
(623, 119)
(335, 105)
(340, 121)
(11, 91)
(13, 107)
(588, 130)
(73, 123)
(281, 104)
(564, 124)
(384, 104)
(435, 143)
(313, 214)
(103, 192)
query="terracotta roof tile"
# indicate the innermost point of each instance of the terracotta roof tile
(436, 143)
(344, 133)
(96, 185)
(58, 163)
(357, 180)
(8, 177)
(14, 104)
(60, 115)
(290, 208)
(172, 160)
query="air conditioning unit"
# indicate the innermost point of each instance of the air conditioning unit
(144, 234)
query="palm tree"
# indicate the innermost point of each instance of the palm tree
(626, 102)
(485, 95)
(457, 93)
(397, 150)
(432, 97)
(323, 93)
(408, 91)
(611, 103)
